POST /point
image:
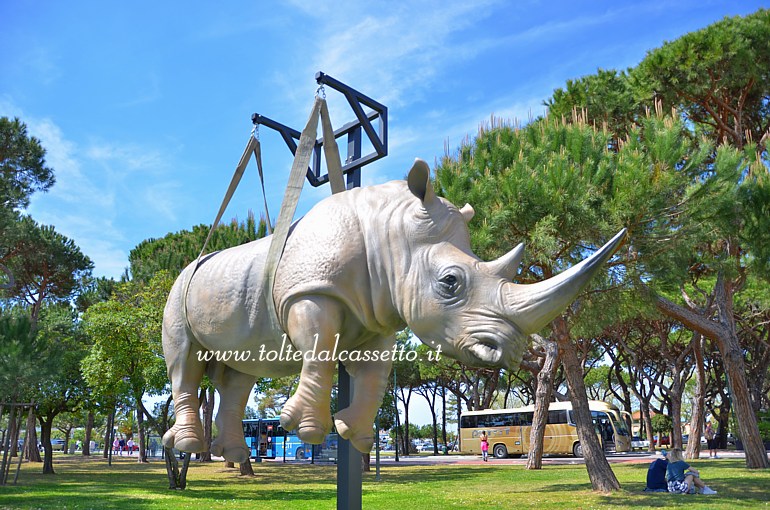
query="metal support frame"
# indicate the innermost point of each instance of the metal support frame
(351, 167)
(349, 467)
(349, 476)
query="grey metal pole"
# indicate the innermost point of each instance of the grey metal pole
(349, 459)
(377, 448)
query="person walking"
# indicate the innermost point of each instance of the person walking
(711, 438)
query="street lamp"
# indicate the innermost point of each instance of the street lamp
(395, 404)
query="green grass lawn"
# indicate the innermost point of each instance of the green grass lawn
(85, 484)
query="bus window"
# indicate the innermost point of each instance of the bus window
(603, 425)
(557, 417)
(620, 427)
(468, 422)
(499, 420)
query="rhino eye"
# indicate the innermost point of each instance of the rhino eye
(449, 280)
(448, 286)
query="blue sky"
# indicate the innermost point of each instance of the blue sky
(145, 107)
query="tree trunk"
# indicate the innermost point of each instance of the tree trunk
(599, 471)
(89, 430)
(459, 413)
(542, 399)
(108, 435)
(723, 333)
(67, 434)
(754, 448)
(677, 389)
(407, 442)
(32, 452)
(246, 468)
(644, 409)
(142, 431)
(699, 400)
(723, 423)
(207, 403)
(443, 417)
(46, 424)
(432, 406)
(14, 423)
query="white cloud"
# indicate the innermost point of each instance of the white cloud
(395, 53)
(129, 156)
(73, 186)
(149, 93)
(96, 184)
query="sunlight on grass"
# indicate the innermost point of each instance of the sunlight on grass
(86, 484)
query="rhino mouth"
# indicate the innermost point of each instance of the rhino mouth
(486, 352)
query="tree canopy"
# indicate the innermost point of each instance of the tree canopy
(22, 165)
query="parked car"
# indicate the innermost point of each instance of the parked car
(686, 439)
(637, 443)
(57, 445)
(662, 441)
(425, 446)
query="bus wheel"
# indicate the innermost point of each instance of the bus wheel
(577, 450)
(500, 451)
(299, 454)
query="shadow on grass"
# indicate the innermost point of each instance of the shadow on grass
(90, 483)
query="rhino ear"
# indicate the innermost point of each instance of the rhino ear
(467, 212)
(419, 182)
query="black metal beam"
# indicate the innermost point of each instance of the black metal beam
(378, 138)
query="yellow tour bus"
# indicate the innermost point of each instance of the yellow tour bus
(508, 430)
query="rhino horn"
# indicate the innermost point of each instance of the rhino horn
(533, 306)
(508, 265)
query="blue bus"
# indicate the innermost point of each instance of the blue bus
(268, 440)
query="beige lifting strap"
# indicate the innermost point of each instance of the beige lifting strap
(294, 187)
(291, 197)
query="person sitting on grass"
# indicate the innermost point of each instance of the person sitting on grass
(656, 474)
(682, 479)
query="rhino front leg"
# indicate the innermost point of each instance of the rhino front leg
(234, 388)
(313, 323)
(369, 381)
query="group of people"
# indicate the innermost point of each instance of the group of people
(118, 445)
(670, 473)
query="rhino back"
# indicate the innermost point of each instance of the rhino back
(226, 303)
(337, 250)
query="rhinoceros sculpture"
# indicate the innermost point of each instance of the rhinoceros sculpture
(359, 266)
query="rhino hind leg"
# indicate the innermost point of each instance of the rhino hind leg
(312, 324)
(185, 372)
(234, 388)
(369, 381)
